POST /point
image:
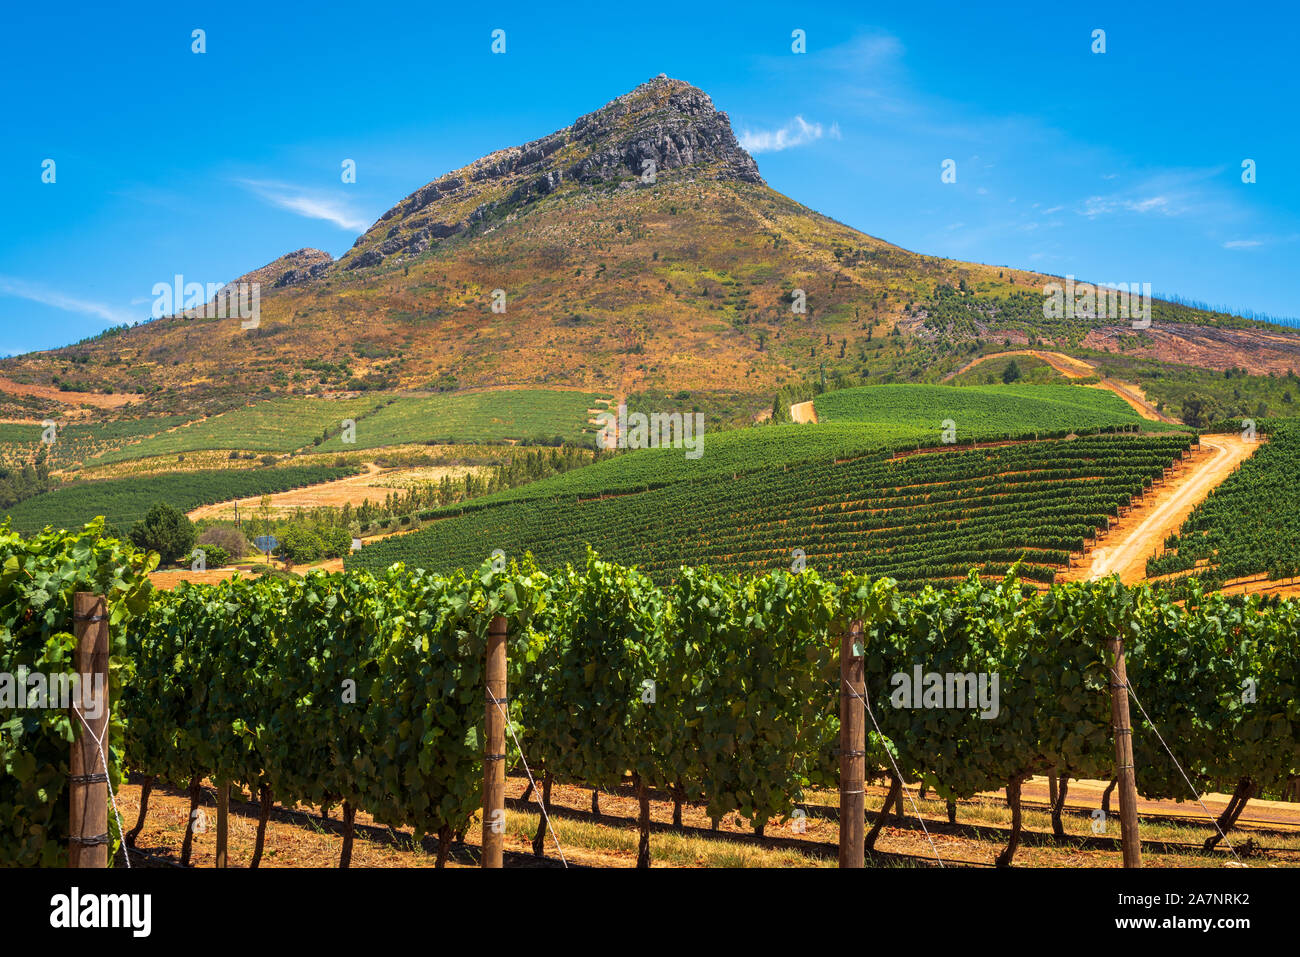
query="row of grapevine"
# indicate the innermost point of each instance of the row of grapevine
(367, 691)
(913, 518)
(1250, 524)
(353, 689)
(720, 688)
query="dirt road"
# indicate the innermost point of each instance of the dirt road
(1142, 532)
(1068, 366)
(803, 412)
(1073, 368)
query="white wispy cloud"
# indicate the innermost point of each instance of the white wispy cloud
(1095, 206)
(35, 292)
(313, 204)
(1171, 192)
(797, 132)
(1260, 240)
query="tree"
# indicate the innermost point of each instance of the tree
(301, 545)
(165, 530)
(231, 540)
(1198, 411)
(1011, 373)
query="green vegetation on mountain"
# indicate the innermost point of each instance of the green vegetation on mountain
(1186, 391)
(1031, 369)
(970, 311)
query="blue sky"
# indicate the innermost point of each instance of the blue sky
(1118, 166)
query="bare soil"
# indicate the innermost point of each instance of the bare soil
(374, 484)
(97, 399)
(1258, 351)
(299, 837)
(803, 412)
(1142, 532)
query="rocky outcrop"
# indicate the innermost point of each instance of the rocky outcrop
(681, 129)
(663, 122)
(290, 269)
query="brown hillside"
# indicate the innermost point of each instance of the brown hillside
(610, 282)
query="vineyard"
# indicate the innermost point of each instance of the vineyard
(916, 518)
(74, 443)
(729, 453)
(124, 501)
(977, 410)
(1250, 524)
(913, 419)
(272, 425)
(283, 425)
(478, 417)
(366, 691)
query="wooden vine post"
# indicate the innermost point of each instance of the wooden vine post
(1124, 772)
(853, 744)
(494, 754)
(88, 838)
(223, 823)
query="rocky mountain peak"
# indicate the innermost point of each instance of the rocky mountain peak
(664, 124)
(667, 121)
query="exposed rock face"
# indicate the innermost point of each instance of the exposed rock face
(291, 268)
(304, 267)
(663, 122)
(681, 129)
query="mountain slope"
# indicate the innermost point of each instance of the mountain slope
(610, 282)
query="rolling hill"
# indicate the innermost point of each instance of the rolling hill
(916, 518)
(845, 491)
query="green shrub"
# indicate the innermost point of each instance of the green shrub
(165, 530)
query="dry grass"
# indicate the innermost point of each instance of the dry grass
(373, 486)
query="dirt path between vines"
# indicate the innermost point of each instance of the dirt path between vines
(1142, 532)
(1073, 368)
(298, 837)
(1086, 795)
(326, 493)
